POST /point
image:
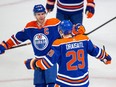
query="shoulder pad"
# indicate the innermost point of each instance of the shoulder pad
(31, 24)
(81, 37)
(52, 22)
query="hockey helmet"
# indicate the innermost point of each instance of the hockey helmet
(38, 8)
(66, 27)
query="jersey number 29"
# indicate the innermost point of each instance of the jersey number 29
(76, 56)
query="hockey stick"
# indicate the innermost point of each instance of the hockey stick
(25, 44)
(100, 26)
(84, 34)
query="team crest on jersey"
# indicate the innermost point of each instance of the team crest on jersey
(40, 41)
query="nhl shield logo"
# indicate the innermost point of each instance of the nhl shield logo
(40, 41)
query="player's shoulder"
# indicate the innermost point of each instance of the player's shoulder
(81, 37)
(52, 22)
(31, 24)
(57, 42)
(61, 41)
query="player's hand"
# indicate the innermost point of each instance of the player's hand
(3, 47)
(31, 63)
(49, 8)
(78, 29)
(90, 10)
(107, 59)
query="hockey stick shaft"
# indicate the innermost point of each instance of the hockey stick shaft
(100, 26)
(84, 34)
(25, 44)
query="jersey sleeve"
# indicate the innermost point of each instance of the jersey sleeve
(95, 51)
(50, 59)
(16, 39)
(21, 36)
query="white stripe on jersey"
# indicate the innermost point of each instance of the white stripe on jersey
(17, 39)
(43, 65)
(103, 56)
(71, 10)
(45, 59)
(48, 60)
(100, 50)
(73, 4)
(13, 41)
(73, 78)
(31, 28)
(79, 84)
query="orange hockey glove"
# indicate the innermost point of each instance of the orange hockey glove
(107, 59)
(31, 63)
(78, 29)
(90, 9)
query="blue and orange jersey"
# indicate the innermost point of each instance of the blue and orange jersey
(69, 6)
(71, 54)
(40, 37)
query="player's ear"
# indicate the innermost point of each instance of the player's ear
(61, 33)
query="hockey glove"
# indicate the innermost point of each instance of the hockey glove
(31, 63)
(78, 29)
(107, 59)
(49, 8)
(90, 9)
(3, 47)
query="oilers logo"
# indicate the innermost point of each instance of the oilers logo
(40, 41)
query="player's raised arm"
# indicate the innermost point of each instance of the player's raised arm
(44, 62)
(98, 53)
(14, 40)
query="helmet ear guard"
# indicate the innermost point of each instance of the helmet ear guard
(65, 27)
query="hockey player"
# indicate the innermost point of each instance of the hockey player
(71, 9)
(71, 54)
(41, 32)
